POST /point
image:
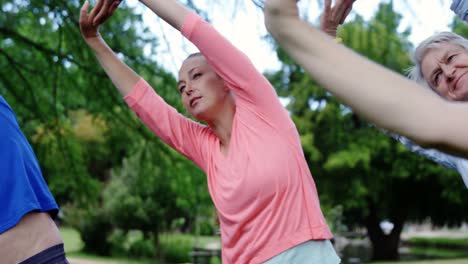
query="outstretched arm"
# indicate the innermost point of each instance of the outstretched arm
(123, 77)
(179, 132)
(378, 94)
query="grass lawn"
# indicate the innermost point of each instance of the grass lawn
(173, 246)
(72, 240)
(74, 245)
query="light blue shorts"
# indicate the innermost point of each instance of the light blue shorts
(310, 252)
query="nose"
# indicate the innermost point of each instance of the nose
(449, 71)
(188, 89)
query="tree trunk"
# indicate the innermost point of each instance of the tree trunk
(384, 247)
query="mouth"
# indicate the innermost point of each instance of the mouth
(194, 101)
(457, 81)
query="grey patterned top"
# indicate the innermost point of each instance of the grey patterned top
(460, 7)
(446, 160)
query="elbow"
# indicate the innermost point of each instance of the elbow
(428, 138)
(436, 139)
(272, 8)
(271, 16)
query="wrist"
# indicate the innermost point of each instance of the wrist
(331, 32)
(95, 43)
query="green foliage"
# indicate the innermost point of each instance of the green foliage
(334, 218)
(176, 248)
(439, 242)
(433, 253)
(72, 240)
(139, 194)
(142, 248)
(118, 241)
(95, 228)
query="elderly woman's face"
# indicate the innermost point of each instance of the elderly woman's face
(445, 69)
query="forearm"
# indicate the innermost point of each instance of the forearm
(379, 95)
(369, 89)
(123, 77)
(169, 10)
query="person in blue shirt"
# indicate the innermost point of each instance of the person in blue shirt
(28, 233)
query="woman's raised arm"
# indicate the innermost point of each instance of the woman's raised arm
(123, 77)
(169, 10)
(381, 96)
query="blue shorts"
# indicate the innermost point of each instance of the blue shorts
(310, 252)
(52, 255)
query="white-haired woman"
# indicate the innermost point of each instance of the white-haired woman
(332, 17)
(381, 96)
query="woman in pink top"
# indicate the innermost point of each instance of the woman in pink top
(250, 150)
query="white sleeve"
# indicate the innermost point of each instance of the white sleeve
(444, 159)
(462, 167)
(460, 7)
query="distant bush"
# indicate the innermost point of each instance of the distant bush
(176, 248)
(118, 243)
(142, 248)
(441, 242)
(94, 229)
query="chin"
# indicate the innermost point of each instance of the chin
(199, 116)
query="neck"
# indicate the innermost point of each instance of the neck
(222, 124)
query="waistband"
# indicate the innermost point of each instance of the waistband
(52, 255)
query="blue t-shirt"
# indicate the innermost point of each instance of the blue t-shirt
(22, 187)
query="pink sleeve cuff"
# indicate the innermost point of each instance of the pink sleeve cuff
(189, 24)
(137, 92)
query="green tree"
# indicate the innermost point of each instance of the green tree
(358, 167)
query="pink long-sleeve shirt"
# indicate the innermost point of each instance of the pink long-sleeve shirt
(262, 188)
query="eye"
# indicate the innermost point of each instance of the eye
(451, 57)
(181, 88)
(196, 76)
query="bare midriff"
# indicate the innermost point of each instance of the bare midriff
(33, 234)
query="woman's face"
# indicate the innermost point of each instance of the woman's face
(445, 69)
(202, 91)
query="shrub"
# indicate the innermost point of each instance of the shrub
(142, 248)
(176, 248)
(94, 229)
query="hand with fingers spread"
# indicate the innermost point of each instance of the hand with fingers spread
(88, 28)
(334, 16)
(103, 10)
